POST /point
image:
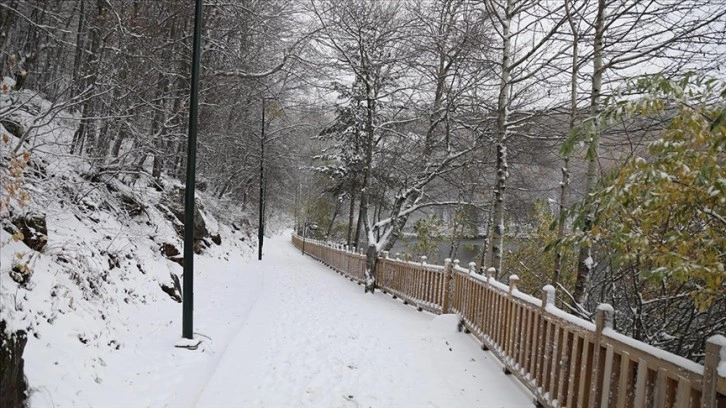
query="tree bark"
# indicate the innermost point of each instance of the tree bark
(351, 210)
(372, 252)
(486, 239)
(338, 203)
(78, 82)
(122, 134)
(584, 259)
(7, 17)
(87, 130)
(502, 130)
(565, 183)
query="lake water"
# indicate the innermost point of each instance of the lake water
(469, 250)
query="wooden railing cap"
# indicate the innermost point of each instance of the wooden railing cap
(549, 291)
(717, 339)
(513, 280)
(606, 307)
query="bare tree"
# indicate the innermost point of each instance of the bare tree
(526, 30)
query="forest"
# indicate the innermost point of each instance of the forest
(581, 141)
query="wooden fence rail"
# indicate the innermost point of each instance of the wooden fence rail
(563, 360)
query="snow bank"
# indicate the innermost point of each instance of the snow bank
(101, 329)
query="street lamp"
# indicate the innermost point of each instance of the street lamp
(312, 227)
(188, 285)
(261, 225)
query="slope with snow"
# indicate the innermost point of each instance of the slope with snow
(100, 328)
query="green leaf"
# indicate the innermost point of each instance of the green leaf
(718, 121)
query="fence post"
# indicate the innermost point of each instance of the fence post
(603, 319)
(715, 346)
(548, 295)
(513, 281)
(472, 268)
(446, 286)
(490, 273)
(508, 343)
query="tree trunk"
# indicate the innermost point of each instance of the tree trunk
(104, 140)
(7, 16)
(371, 260)
(78, 82)
(359, 225)
(377, 214)
(116, 149)
(584, 259)
(351, 210)
(372, 251)
(157, 129)
(77, 142)
(456, 233)
(180, 159)
(338, 202)
(87, 130)
(502, 129)
(485, 242)
(565, 184)
(562, 218)
(33, 44)
(52, 70)
(398, 224)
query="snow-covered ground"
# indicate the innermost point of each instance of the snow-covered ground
(283, 332)
(314, 339)
(147, 370)
(286, 331)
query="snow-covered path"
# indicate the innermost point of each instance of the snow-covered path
(315, 339)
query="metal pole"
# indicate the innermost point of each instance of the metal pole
(261, 228)
(188, 289)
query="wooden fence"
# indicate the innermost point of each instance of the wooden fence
(563, 360)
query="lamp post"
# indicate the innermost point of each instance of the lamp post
(313, 227)
(261, 225)
(188, 285)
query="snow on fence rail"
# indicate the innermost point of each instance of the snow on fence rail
(563, 360)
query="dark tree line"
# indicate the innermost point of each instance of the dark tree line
(122, 67)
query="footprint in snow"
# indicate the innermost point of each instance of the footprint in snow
(350, 399)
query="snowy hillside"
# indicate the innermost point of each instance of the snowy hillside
(90, 265)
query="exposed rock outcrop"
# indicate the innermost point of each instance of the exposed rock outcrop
(174, 201)
(13, 385)
(34, 230)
